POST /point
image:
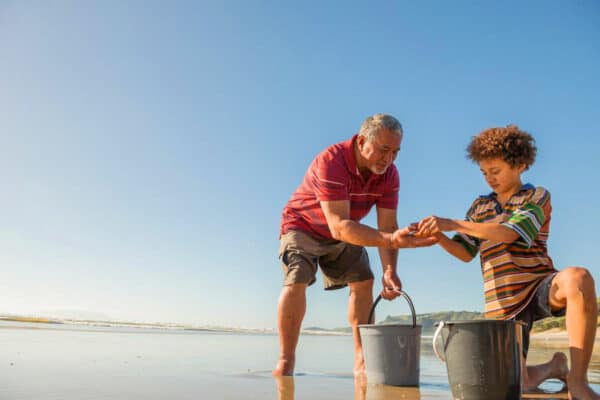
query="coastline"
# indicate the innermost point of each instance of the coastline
(557, 337)
(551, 337)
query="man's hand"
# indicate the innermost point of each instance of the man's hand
(406, 237)
(391, 284)
(432, 225)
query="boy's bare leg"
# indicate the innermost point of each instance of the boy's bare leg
(556, 368)
(290, 313)
(574, 288)
(359, 306)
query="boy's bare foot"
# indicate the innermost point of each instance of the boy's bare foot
(556, 368)
(284, 367)
(560, 365)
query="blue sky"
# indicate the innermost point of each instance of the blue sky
(148, 148)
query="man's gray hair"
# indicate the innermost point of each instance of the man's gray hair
(377, 122)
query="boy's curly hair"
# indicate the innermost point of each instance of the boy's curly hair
(510, 144)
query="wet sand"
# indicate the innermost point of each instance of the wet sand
(557, 338)
(72, 363)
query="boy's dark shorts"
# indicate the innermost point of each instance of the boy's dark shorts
(538, 308)
(341, 263)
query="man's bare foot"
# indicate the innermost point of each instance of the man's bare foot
(579, 390)
(360, 374)
(359, 365)
(284, 367)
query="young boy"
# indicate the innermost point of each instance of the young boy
(509, 228)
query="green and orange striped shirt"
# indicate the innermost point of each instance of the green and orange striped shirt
(512, 271)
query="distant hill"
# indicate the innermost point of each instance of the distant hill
(74, 314)
(557, 322)
(427, 321)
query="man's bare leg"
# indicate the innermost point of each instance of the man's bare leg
(574, 288)
(359, 306)
(290, 313)
(556, 368)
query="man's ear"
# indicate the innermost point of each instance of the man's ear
(360, 141)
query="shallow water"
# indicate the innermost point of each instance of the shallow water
(60, 362)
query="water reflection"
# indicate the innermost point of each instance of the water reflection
(383, 392)
(434, 381)
(362, 390)
(285, 387)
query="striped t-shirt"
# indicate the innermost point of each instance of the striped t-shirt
(512, 271)
(333, 175)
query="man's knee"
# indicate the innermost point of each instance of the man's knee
(361, 286)
(294, 288)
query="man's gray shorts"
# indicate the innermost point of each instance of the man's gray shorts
(341, 263)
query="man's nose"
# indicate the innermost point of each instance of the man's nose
(389, 157)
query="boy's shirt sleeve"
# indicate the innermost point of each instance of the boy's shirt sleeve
(528, 219)
(470, 243)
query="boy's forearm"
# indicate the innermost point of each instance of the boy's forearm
(454, 248)
(489, 231)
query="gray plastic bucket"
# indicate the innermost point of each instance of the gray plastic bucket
(392, 351)
(483, 358)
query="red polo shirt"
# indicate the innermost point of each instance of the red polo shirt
(333, 175)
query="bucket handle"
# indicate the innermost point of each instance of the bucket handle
(440, 356)
(408, 300)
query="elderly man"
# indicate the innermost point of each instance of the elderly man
(320, 226)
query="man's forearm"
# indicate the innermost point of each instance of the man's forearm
(361, 235)
(389, 258)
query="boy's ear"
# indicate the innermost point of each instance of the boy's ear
(522, 168)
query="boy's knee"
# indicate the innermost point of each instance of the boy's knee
(578, 279)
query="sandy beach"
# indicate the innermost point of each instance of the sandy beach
(557, 338)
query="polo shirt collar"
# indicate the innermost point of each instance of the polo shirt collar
(349, 155)
(526, 186)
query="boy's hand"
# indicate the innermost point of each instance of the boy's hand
(433, 225)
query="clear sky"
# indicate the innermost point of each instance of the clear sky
(148, 148)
